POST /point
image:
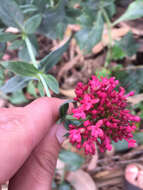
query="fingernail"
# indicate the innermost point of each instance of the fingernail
(60, 133)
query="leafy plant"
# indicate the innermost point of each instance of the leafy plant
(131, 78)
(51, 18)
(33, 70)
(127, 46)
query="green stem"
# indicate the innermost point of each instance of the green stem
(34, 62)
(109, 28)
(32, 56)
(52, 3)
(44, 85)
(63, 174)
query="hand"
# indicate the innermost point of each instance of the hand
(28, 144)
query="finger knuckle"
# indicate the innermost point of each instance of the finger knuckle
(46, 161)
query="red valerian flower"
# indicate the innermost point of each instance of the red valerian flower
(103, 115)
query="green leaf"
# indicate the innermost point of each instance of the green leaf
(130, 79)
(20, 68)
(134, 11)
(65, 186)
(22, 2)
(110, 8)
(60, 29)
(120, 145)
(72, 160)
(16, 44)
(41, 89)
(103, 73)
(52, 83)
(85, 20)
(31, 89)
(28, 8)
(53, 58)
(128, 44)
(10, 14)
(2, 76)
(2, 25)
(123, 145)
(70, 117)
(138, 136)
(4, 37)
(35, 45)
(52, 17)
(66, 123)
(87, 38)
(23, 54)
(41, 5)
(2, 49)
(32, 24)
(14, 84)
(64, 108)
(18, 98)
(117, 52)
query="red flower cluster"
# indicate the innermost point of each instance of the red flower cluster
(103, 115)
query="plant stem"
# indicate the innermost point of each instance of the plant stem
(32, 56)
(34, 62)
(44, 85)
(52, 3)
(109, 28)
(63, 174)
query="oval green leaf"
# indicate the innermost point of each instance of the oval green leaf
(4, 37)
(10, 14)
(20, 68)
(15, 83)
(134, 11)
(52, 83)
(32, 24)
(53, 58)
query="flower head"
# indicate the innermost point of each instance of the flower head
(103, 114)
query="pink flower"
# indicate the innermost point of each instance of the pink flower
(99, 123)
(79, 113)
(86, 123)
(75, 136)
(96, 132)
(103, 114)
(89, 147)
(131, 143)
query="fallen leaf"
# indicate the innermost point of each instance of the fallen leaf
(93, 163)
(69, 93)
(135, 99)
(81, 180)
(116, 34)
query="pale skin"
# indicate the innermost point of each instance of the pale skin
(30, 142)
